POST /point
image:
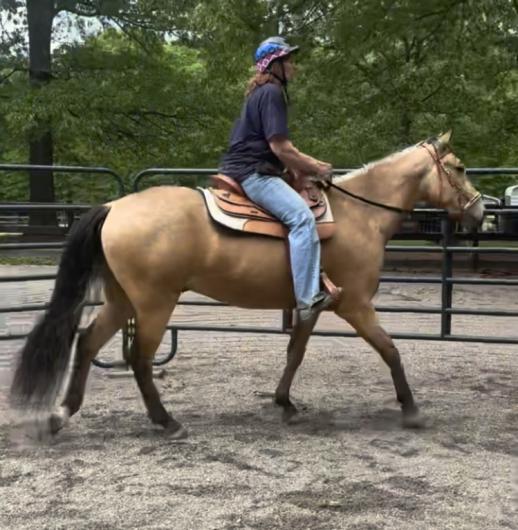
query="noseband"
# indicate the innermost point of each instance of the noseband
(444, 172)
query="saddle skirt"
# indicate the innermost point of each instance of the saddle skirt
(228, 206)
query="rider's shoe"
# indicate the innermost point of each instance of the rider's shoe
(321, 301)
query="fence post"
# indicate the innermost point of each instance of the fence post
(446, 272)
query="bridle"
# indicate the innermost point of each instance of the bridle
(441, 170)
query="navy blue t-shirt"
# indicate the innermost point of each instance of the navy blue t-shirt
(263, 116)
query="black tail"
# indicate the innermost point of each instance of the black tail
(46, 353)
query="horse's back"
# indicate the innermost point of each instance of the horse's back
(156, 204)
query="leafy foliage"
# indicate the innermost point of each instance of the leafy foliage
(159, 83)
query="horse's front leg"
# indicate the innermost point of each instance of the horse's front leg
(365, 321)
(295, 354)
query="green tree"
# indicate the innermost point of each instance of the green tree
(130, 16)
(392, 72)
(163, 81)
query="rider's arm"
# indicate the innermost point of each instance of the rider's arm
(291, 157)
(274, 120)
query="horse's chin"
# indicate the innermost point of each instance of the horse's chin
(473, 216)
(470, 219)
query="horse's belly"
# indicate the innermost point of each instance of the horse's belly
(251, 287)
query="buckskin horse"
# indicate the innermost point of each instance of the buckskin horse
(149, 247)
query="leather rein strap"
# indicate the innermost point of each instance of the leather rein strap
(368, 201)
(440, 170)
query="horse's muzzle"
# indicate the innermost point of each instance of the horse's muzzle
(473, 215)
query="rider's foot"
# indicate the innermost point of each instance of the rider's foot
(321, 301)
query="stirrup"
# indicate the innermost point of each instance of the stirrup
(309, 313)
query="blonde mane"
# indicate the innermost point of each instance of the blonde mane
(374, 165)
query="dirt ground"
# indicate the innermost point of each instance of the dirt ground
(346, 463)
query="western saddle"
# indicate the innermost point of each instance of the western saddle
(229, 206)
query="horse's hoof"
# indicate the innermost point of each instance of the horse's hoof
(176, 431)
(289, 413)
(413, 420)
(58, 419)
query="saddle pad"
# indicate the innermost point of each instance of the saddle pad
(262, 222)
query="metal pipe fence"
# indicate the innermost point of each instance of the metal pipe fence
(445, 248)
(83, 170)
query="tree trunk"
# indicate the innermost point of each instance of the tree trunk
(406, 126)
(40, 14)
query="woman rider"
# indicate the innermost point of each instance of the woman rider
(258, 153)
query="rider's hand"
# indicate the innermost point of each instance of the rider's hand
(325, 171)
(296, 173)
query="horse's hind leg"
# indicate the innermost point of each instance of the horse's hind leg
(366, 323)
(295, 354)
(151, 323)
(110, 319)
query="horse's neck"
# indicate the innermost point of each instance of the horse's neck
(395, 181)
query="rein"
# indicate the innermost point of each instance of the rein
(441, 169)
(369, 201)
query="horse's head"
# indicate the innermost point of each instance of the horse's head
(446, 184)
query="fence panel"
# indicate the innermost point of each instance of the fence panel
(440, 230)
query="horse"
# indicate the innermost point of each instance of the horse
(148, 247)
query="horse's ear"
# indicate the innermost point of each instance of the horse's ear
(444, 138)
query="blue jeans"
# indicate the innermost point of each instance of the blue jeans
(282, 201)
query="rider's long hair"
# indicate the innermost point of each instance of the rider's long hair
(257, 80)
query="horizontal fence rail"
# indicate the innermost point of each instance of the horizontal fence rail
(80, 170)
(50, 218)
(445, 248)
